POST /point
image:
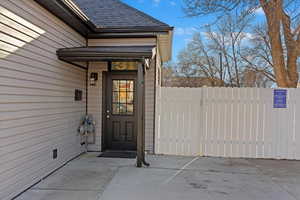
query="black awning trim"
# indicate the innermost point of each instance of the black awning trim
(78, 54)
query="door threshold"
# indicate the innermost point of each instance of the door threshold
(118, 154)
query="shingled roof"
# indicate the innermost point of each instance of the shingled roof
(116, 14)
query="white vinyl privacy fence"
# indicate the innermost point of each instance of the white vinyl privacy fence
(227, 122)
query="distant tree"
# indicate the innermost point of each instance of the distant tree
(229, 38)
(283, 29)
(196, 60)
(168, 73)
(172, 78)
(258, 54)
(215, 53)
(254, 78)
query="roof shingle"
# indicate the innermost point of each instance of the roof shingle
(116, 14)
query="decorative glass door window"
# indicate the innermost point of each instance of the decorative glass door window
(126, 66)
(123, 97)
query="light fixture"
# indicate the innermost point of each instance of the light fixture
(93, 78)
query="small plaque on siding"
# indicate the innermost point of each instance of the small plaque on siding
(280, 98)
(78, 95)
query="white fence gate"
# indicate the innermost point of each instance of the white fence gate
(227, 122)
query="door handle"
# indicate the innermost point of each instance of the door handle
(107, 116)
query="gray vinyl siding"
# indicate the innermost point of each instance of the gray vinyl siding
(95, 102)
(37, 108)
(158, 80)
(149, 108)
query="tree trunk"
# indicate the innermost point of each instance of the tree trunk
(274, 22)
(285, 71)
(291, 47)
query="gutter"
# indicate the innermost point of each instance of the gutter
(132, 29)
(66, 14)
(124, 35)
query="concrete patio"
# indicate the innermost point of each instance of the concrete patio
(91, 178)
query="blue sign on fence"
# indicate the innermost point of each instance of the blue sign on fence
(280, 98)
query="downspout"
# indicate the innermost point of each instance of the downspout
(86, 81)
(87, 87)
(87, 92)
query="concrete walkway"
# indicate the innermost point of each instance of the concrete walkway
(170, 177)
(84, 178)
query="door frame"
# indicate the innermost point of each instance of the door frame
(103, 121)
(105, 76)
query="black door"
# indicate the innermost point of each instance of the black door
(121, 111)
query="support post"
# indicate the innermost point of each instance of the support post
(140, 117)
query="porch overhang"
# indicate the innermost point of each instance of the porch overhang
(105, 53)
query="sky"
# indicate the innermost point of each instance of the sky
(170, 12)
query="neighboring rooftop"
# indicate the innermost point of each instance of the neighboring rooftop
(116, 14)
